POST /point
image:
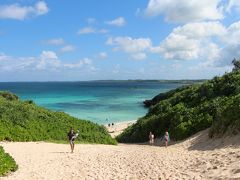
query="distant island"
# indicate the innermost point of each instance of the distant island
(182, 81)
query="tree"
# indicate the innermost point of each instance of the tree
(236, 64)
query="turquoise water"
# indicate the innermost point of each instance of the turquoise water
(98, 101)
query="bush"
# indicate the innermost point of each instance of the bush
(9, 96)
(7, 163)
(227, 121)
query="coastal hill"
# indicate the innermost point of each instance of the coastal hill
(189, 109)
(25, 121)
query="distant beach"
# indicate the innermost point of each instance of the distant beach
(117, 128)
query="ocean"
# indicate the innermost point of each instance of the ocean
(102, 102)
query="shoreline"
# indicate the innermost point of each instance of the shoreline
(118, 128)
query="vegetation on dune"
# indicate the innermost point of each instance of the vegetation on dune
(187, 110)
(7, 163)
(25, 121)
(227, 119)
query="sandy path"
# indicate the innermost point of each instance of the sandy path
(195, 158)
(118, 128)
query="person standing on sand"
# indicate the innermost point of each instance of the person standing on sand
(151, 138)
(166, 138)
(71, 139)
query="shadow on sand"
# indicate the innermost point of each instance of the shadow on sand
(202, 142)
(158, 142)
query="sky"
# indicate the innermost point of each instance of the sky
(117, 39)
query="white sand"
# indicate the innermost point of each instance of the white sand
(118, 128)
(196, 158)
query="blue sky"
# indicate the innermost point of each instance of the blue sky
(138, 39)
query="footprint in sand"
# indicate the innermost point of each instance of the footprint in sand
(236, 171)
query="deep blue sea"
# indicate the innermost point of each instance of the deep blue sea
(98, 101)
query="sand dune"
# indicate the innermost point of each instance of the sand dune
(195, 158)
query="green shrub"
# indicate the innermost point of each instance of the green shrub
(227, 120)
(7, 163)
(9, 96)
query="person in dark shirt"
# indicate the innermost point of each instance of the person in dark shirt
(71, 139)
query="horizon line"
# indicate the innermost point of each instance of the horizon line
(104, 80)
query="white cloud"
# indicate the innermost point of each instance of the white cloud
(41, 8)
(185, 10)
(79, 64)
(139, 56)
(179, 47)
(135, 47)
(56, 41)
(187, 42)
(227, 54)
(11, 64)
(47, 61)
(3, 57)
(210, 43)
(60, 41)
(120, 21)
(18, 12)
(48, 55)
(129, 45)
(201, 30)
(103, 55)
(86, 30)
(90, 30)
(231, 48)
(233, 34)
(68, 48)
